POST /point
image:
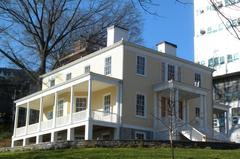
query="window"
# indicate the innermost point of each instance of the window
(106, 104)
(229, 58)
(171, 72)
(140, 105)
(197, 81)
(87, 69)
(52, 82)
(49, 115)
(216, 61)
(107, 67)
(236, 56)
(140, 135)
(222, 61)
(60, 108)
(81, 104)
(210, 63)
(141, 65)
(68, 76)
(197, 112)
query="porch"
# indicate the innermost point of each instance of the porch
(82, 101)
(185, 105)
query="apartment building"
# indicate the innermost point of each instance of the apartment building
(120, 92)
(216, 45)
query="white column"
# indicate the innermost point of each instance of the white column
(155, 111)
(205, 114)
(187, 111)
(25, 141)
(27, 118)
(117, 133)
(55, 109)
(13, 143)
(177, 103)
(53, 136)
(88, 131)
(229, 118)
(226, 122)
(40, 114)
(89, 98)
(39, 139)
(118, 102)
(70, 134)
(71, 104)
(201, 111)
(16, 120)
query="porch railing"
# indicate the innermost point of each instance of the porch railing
(103, 116)
(65, 120)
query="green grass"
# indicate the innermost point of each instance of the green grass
(123, 153)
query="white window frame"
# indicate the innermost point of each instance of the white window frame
(107, 94)
(140, 132)
(145, 65)
(87, 67)
(145, 106)
(107, 66)
(58, 110)
(75, 103)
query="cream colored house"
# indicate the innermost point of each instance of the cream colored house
(119, 92)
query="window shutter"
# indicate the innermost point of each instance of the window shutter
(163, 72)
(179, 74)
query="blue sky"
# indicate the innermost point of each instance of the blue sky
(176, 25)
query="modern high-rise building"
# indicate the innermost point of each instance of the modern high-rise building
(217, 45)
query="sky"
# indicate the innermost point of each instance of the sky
(175, 25)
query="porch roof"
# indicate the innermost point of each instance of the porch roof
(220, 106)
(67, 84)
(185, 89)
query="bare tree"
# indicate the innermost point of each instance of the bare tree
(35, 33)
(230, 24)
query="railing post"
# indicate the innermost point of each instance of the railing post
(27, 117)
(89, 98)
(40, 113)
(71, 104)
(55, 109)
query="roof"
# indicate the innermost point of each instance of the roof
(123, 42)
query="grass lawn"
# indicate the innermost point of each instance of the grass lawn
(123, 153)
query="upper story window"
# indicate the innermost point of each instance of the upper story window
(52, 82)
(141, 65)
(68, 76)
(222, 60)
(140, 105)
(60, 108)
(229, 58)
(107, 102)
(107, 66)
(81, 104)
(87, 69)
(171, 72)
(197, 80)
(211, 63)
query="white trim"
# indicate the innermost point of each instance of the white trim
(145, 65)
(140, 132)
(145, 106)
